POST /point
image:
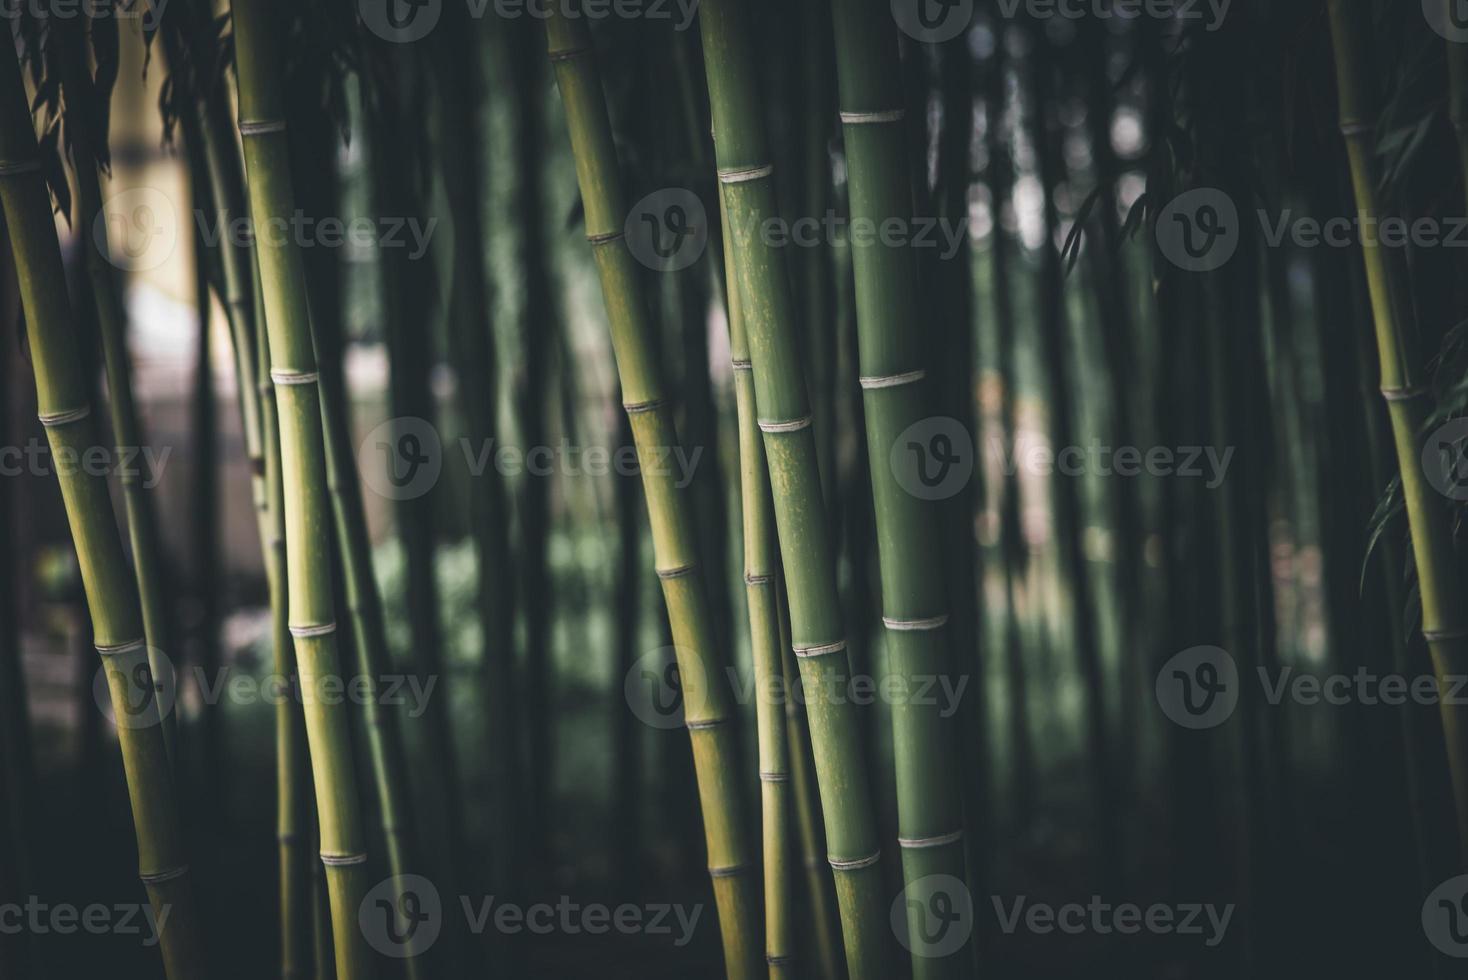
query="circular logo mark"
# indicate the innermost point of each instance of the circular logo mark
(400, 21)
(128, 691)
(661, 693)
(933, 458)
(1445, 459)
(1199, 688)
(1448, 17)
(401, 916)
(1199, 230)
(401, 458)
(933, 21)
(933, 916)
(667, 230)
(137, 229)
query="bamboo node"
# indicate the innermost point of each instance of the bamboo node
(158, 877)
(778, 959)
(259, 127)
(1436, 636)
(756, 579)
(1404, 394)
(703, 724)
(567, 54)
(774, 777)
(117, 649)
(638, 408)
(819, 649)
(792, 425)
(853, 864)
(742, 365)
(1351, 128)
(12, 168)
(282, 376)
(880, 116)
(606, 237)
(917, 843)
(320, 629)
(343, 860)
(871, 382)
(52, 419)
(740, 175)
(679, 572)
(728, 871)
(915, 625)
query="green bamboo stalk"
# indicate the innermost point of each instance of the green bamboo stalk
(707, 707)
(117, 624)
(762, 595)
(1409, 405)
(892, 358)
(303, 471)
(784, 418)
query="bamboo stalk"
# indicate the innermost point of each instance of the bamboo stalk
(894, 383)
(707, 708)
(784, 417)
(303, 471)
(117, 624)
(1409, 405)
(762, 596)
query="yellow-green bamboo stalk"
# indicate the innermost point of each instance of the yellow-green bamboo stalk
(257, 33)
(707, 701)
(1409, 405)
(117, 625)
(818, 636)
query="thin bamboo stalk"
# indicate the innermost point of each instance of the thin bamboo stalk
(708, 713)
(1409, 405)
(761, 584)
(896, 397)
(785, 420)
(303, 471)
(62, 399)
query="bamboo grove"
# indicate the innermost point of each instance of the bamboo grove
(843, 489)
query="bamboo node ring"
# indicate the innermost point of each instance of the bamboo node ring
(729, 871)
(742, 365)
(917, 843)
(679, 572)
(703, 724)
(158, 877)
(774, 777)
(605, 237)
(1352, 128)
(284, 377)
(775, 959)
(880, 116)
(342, 860)
(915, 625)
(567, 54)
(13, 168)
(639, 408)
(320, 629)
(819, 649)
(792, 425)
(853, 864)
(258, 127)
(117, 649)
(1403, 394)
(756, 579)
(740, 175)
(53, 419)
(872, 382)
(1434, 636)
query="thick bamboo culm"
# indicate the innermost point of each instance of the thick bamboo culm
(1409, 405)
(747, 184)
(63, 401)
(708, 707)
(303, 470)
(895, 393)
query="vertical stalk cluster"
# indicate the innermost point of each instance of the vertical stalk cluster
(293, 373)
(817, 636)
(707, 700)
(1409, 405)
(117, 624)
(894, 384)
